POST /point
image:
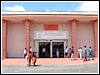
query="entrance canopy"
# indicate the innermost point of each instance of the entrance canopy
(50, 34)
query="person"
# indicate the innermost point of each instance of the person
(25, 53)
(31, 50)
(66, 51)
(80, 52)
(90, 53)
(69, 53)
(85, 53)
(43, 50)
(33, 59)
(72, 53)
(57, 52)
(29, 56)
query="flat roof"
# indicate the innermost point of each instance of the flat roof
(51, 12)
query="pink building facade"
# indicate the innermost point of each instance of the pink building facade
(50, 30)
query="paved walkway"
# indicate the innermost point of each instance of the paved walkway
(56, 69)
(46, 61)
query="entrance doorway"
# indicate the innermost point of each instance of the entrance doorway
(60, 46)
(45, 45)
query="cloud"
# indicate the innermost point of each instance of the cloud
(15, 8)
(47, 10)
(89, 6)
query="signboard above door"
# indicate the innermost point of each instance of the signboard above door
(50, 35)
(51, 27)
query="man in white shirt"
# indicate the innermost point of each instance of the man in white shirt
(66, 51)
(31, 49)
(24, 52)
(80, 52)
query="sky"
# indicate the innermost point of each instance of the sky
(50, 6)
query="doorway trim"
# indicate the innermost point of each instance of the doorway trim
(60, 40)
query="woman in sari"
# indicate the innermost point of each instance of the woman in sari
(29, 57)
(33, 59)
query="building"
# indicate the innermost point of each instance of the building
(50, 30)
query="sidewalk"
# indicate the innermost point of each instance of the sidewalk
(46, 61)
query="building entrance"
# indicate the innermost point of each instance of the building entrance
(60, 47)
(46, 53)
(50, 49)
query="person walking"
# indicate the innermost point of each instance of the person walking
(69, 53)
(66, 51)
(43, 52)
(72, 53)
(29, 57)
(57, 52)
(31, 50)
(33, 59)
(85, 53)
(25, 53)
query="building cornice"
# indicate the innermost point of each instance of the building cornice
(50, 13)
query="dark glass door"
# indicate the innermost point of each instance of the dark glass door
(45, 45)
(60, 46)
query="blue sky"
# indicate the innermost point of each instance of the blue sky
(50, 6)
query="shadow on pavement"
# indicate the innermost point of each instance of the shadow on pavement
(34, 66)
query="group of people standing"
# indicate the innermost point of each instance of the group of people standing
(85, 53)
(30, 56)
(69, 52)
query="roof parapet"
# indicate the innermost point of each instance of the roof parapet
(51, 12)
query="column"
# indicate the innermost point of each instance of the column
(4, 38)
(51, 49)
(73, 30)
(27, 33)
(95, 26)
